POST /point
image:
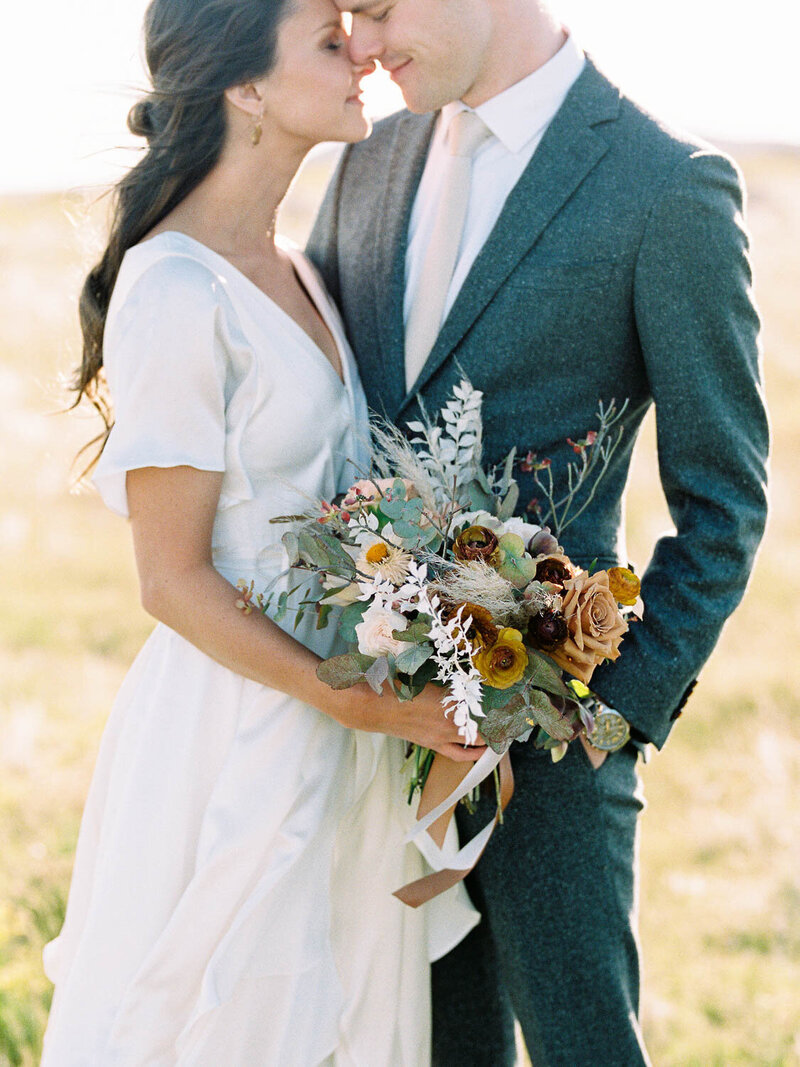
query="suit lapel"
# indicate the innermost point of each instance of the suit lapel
(569, 150)
(406, 163)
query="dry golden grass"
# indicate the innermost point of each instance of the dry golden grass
(721, 886)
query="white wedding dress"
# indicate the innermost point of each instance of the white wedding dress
(231, 903)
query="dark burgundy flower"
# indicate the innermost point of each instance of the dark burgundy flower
(554, 570)
(548, 630)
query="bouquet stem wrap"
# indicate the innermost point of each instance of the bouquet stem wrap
(447, 783)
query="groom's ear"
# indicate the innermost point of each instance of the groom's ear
(246, 97)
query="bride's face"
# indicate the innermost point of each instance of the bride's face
(313, 90)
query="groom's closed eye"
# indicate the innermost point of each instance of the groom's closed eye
(377, 11)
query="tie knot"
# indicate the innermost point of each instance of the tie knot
(466, 134)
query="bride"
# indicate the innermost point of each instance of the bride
(231, 899)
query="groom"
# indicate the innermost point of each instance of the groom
(525, 221)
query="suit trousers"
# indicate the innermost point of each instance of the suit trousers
(557, 944)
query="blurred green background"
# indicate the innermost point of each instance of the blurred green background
(720, 908)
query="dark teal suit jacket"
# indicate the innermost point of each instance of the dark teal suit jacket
(618, 268)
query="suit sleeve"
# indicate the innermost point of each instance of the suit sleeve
(698, 328)
(322, 245)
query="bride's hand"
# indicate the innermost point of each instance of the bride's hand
(421, 720)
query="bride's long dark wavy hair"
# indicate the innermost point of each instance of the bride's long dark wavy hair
(195, 49)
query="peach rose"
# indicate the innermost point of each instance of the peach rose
(595, 625)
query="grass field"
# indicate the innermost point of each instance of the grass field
(720, 911)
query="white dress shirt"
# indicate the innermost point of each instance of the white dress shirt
(518, 119)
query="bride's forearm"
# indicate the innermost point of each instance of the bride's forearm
(251, 645)
(257, 648)
(172, 515)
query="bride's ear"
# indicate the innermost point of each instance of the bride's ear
(246, 97)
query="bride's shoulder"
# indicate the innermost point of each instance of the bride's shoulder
(168, 271)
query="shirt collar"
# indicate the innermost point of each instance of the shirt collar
(522, 111)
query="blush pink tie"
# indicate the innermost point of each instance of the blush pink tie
(466, 133)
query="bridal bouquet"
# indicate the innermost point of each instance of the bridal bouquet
(437, 581)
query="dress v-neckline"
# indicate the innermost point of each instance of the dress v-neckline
(309, 283)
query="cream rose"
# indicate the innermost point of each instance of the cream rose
(595, 625)
(374, 632)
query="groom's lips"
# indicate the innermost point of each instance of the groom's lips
(397, 69)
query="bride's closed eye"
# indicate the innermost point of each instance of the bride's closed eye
(335, 43)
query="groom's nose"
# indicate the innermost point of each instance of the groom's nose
(365, 43)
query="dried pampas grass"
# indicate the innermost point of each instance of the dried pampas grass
(480, 584)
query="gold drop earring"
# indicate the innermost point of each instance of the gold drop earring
(255, 136)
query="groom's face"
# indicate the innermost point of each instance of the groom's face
(434, 50)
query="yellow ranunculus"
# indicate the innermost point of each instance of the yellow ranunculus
(624, 585)
(503, 664)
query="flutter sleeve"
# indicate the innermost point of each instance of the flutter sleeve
(166, 368)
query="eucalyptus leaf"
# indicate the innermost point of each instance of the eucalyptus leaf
(405, 692)
(558, 723)
(392, 507)
(411, 659)
(312, 550)
(543, 673)
(508, 471)
(426, 673)
(509, 504)
(326, 594)
(412, 510)
(480, 499)
(520, 572)
(406, 530)
(350, 618)
(415, 631)
(503, 725)
(495, 699)
(290, 543)
(342, 672)
(377, 674)
(430, 536)
(338, 554)
(482, 480)
(280, 610)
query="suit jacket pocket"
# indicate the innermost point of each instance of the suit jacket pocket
(557, 277)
